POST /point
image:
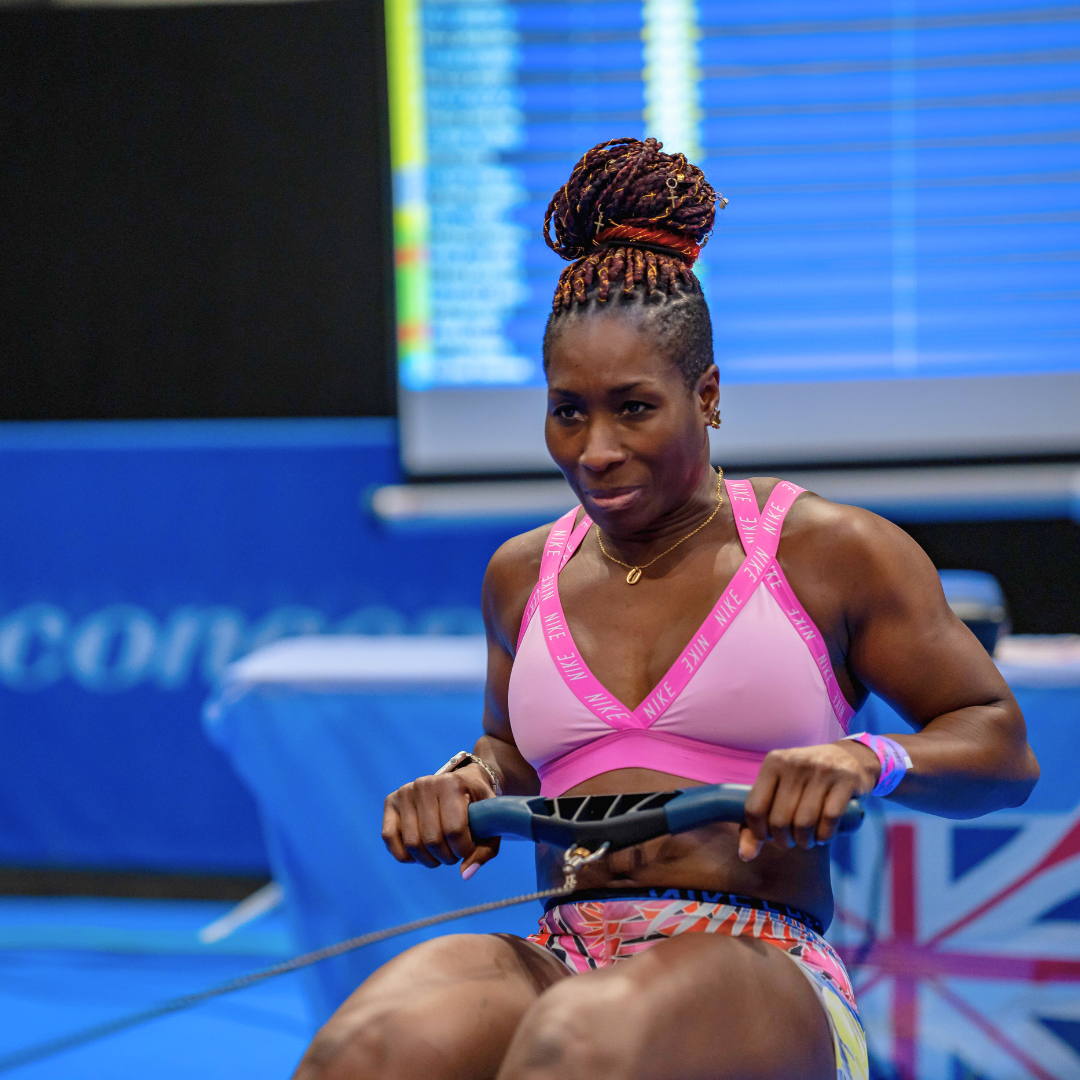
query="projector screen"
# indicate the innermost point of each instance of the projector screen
(897, 275)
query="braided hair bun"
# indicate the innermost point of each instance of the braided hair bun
(629, 211)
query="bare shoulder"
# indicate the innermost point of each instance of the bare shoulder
(812, 516)
(518, 558)
(859, 546)
(511, 575)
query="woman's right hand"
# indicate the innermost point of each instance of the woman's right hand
(427, 821)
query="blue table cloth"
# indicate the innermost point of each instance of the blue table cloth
(964, 937)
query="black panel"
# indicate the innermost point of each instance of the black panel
(53, 881)
(196, 216)
(1037, 563)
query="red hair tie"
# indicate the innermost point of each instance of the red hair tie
(681, 245)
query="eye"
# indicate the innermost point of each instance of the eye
(636, 408)
(565, 411)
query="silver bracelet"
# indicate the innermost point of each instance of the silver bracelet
(463, 758)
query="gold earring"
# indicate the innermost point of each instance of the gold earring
(714, 420)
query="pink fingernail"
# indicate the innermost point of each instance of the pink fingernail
(469, 871)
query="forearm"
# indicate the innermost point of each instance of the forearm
(968, 762)
(515, 774)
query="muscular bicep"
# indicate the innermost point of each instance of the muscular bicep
(971, 754)
(906, 644)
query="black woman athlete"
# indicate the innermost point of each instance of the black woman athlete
(675, 630)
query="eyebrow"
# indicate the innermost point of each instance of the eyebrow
(622, 388)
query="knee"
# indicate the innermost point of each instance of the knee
(359, 1049)
(410, 1019)
(579, 1030)
(371, 1037)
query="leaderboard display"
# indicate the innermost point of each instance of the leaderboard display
(903, 178)
(903, 221)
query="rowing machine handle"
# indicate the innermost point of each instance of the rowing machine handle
(596, 819)
(726, 802)
(503, 815)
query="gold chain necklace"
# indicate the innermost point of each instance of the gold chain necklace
(635, 571)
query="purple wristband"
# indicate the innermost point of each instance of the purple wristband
(893, 757)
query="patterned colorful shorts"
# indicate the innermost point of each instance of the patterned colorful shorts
(597, 928)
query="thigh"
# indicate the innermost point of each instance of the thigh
(444, 1010)
(694, 1007)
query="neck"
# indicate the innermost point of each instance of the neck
(673, 523)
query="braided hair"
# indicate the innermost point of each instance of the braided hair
(632, 214)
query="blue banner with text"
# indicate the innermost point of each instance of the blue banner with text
(136, 561)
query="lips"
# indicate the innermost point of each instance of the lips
(612, 498)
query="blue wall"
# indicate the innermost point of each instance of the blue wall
(136, 560)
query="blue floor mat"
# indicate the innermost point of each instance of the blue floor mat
(66, 964)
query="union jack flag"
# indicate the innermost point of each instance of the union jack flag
(963, 941)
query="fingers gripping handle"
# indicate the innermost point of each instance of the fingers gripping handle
(594, 820)
(726, 802)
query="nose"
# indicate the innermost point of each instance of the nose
(602, 447)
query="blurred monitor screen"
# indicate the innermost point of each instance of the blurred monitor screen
(897, 275)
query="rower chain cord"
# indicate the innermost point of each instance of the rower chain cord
(573, 860)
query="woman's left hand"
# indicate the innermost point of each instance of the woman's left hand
(801, 793)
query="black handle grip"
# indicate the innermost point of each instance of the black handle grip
(504, 815)
(726, 802)
(619, 820)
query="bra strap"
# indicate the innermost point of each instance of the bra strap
(744, 509)
(768, 540)
(767, 537)
(554, 547)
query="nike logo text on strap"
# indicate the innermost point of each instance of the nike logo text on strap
(744, 509)
(568, 662)
(768, 536)
(558, 533)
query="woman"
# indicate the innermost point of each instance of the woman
(675, 630)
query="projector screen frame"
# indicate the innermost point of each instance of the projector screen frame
(500, 431)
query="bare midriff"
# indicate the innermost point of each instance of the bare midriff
(705, 858)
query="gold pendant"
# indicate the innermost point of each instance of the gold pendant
(634, 576)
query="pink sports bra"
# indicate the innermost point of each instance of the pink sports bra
(755, 677)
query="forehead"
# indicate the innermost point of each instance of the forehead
(606, 348)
